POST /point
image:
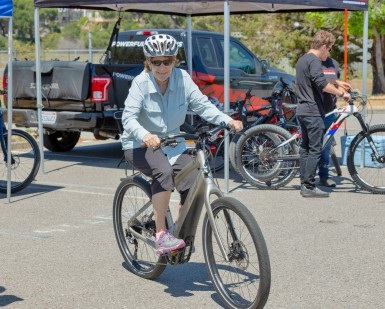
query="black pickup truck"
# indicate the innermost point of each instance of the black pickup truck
(81, 96)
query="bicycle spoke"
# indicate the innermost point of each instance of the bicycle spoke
(131, 196)
(366, 171)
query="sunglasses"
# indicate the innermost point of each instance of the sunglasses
(158, 63)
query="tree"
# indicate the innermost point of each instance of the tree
(334, 22)
(377, 36)
(23, 20)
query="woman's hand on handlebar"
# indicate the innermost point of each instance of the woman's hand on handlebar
(151, 140)
(236, 124)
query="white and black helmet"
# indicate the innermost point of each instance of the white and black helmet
(160, 45)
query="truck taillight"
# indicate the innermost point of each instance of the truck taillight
(146, 32)
(5, 85)
(5, 81)
(99, 89)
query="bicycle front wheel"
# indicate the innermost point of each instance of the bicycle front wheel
(25, 161)
(242, 278)
(368, 173)
(131, 195)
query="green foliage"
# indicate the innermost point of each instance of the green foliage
(161, 21)
(209, 23)
(51, 41)
(23, 50)
(23, 20)
(3, 42)
(71, 31)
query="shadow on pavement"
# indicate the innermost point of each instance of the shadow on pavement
(6, 300)
(184, 280)
(32, 190)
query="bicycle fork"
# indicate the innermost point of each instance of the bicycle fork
(213, 189)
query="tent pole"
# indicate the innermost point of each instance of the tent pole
(365, 53)
(189, 45)
(38, 90)
(364, 73)
(9, 109)
(226, 12)
(346, 23)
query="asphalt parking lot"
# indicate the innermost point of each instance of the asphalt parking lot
(58, 248)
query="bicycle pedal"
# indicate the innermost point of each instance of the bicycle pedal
(173, 252)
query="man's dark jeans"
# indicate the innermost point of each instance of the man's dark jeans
(311, 146)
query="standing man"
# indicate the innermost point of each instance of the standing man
(331, 71)
(311, 85)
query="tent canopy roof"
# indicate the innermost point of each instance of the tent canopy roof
(212, 7)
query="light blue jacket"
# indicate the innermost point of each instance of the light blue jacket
(148, 111)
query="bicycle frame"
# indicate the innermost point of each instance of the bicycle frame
(343, 113)
(199, 195)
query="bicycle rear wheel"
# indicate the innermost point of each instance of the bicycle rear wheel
(262, 162)
(367, 173)
(25, 161)
(131, 195)
(242, 281)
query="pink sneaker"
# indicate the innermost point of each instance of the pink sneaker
(166, 242)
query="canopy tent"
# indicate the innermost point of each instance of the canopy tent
(6, 10)
(211, 7)
(195, 8)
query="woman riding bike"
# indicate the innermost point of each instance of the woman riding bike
(156, 106)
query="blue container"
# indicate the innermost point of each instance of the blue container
(345, 143)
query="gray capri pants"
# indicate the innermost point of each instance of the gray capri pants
(154, 163)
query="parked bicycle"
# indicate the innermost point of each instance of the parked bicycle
(250, 116)
(280, 111)
(234, 248)
(270, 155)
(25, 157)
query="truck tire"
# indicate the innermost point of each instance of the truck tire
(61, 141)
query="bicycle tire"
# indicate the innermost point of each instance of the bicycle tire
(232, 151)
(216, 159)
(335, 161)
(25, 161)
(256, 161)
(243, 281)
(131, 194)
(370, 175)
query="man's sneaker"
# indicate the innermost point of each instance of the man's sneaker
(327, 182)
(313, 192)
(166, 242)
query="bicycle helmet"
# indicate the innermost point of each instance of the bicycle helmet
(160, 45)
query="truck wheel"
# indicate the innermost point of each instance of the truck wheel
(61, 141)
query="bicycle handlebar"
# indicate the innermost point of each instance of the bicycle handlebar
(355, 95)
(202, 133)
